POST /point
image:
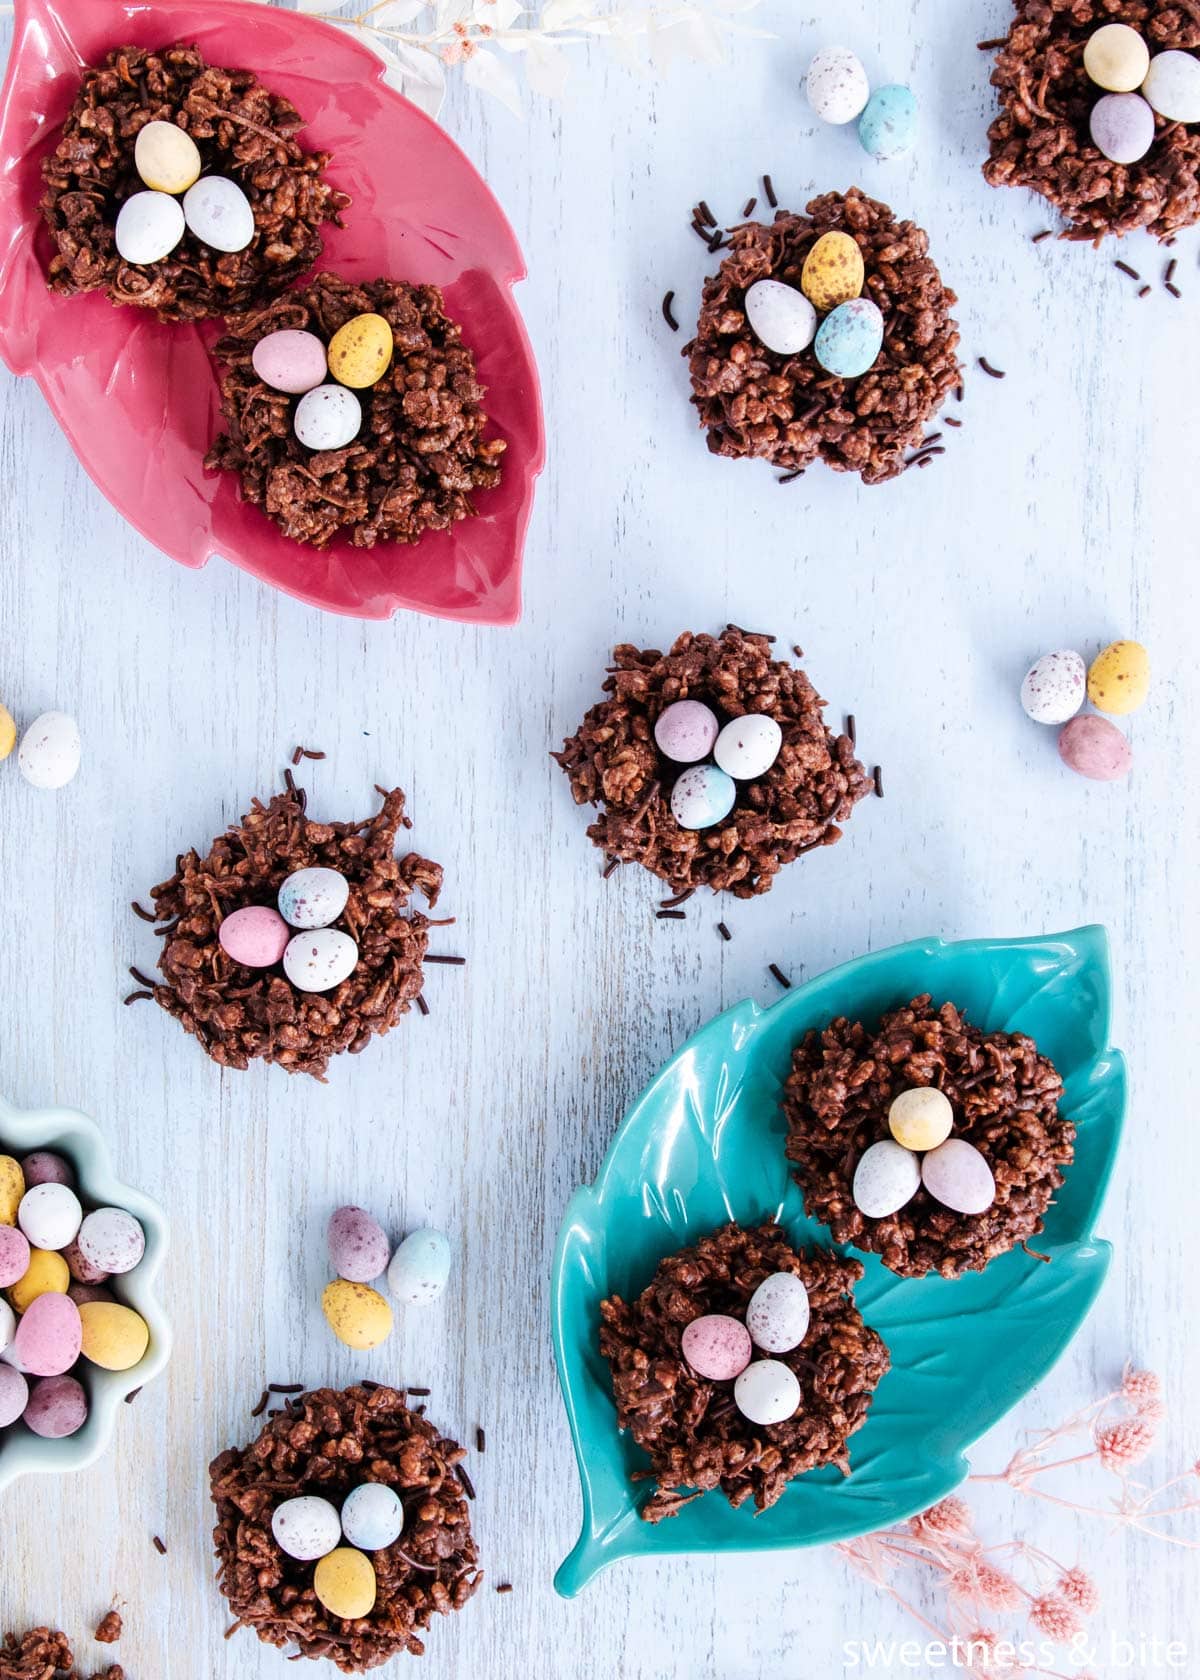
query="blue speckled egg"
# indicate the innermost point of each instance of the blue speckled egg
(850, 338)
(702, 797)
(888, 126)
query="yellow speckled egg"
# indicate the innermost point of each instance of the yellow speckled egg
(8, 739)
(114, 1336)
(921, 1118)
(357, 1314)
(833, 271)
(360, 351)
(344, 1581)
(47, 1274)
(1119, 678)
(12, 1183)
(167, 159)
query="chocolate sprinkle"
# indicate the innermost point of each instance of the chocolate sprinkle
(1126, 269)
(748, 207)
(263, 1403)
(769, 190)
(670, 916)
(990, 46)
(668, 313)
(137, 997)
(992, 372)
(1145, 291)
(1174, 290)
(447, 962)
(679, 898)
(160, 1546)
(851, 729)
(504, 1587)
(144, 915)
(704, 214)
(1170, 273)
(285, 1388)
(421, 1393)
(877, 778)
(463, 1475)
(1046, 233)
(776, 973)
(610, 868)
(724, 931)
(422, 1006)
(480, 1439)
(951, 421)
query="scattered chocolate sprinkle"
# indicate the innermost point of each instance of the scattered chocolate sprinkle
(263, 1403)
(748, 207)
(754, 635)
(932, 438)
(923, 455)
(776, 973)
(1174, 290)
(369, 1385)
(680, 898)
(132, 1396)
(877, 778)
(137, 997)
(463, 1475)
(851, 729)
(992, 372)
(704, 214)
(769, 190)
(142, 979)
(670, 915)
(109, 1630)
(160, 1546)
(504, 1587)
(313, 753)
(610, 868)
(1170, 273)
(480, 1439)
(1126, 269)
(960, 390)
(447, 962)
(951, 421)
(290, 782)
(717, 241)
(990, 46)
(668, 313)
(724, 931)
(144, 915)
(1145, 291)
(1046, 233)
(698, 227)
(1033, 1252)
(285, 1388)
(297, 756)
(791, 477)
(421, 1393)
(419, 1000)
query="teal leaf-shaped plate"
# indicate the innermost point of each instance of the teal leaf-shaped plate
(704, 1143)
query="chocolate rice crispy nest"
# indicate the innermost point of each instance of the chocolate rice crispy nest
(45, 1654)
(612, 762)
(690, 1427)
(326, 1443)
(1041, 138)
(787, 409)
(243, 130)
(1005, 1097)
(237, 1013)
(421, 454)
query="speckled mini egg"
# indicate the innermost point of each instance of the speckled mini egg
(833, 271)
(328, 418)
(49, 1336)
(48, 756)
(1122, 127)
(1054, 687)
(702, 797)
(218, 212)
(149, 226)
(320, 959)
(82, 1293)
(166, 158)
(344, 1581)
(420, 1267)
(80, 1267)
(357, 1315)
(850, 338)
(306, 1527)
(45, 1274)
(58, 1407)
(12, 1188)
(1118, 679)
(886, 1178)
(255, 936)
(780, 317)
(686, 730)
(290, 360)
(358, 1247)
(956, 1174)
(778, 1313)
(313, 898)
(45, 1167)
(14, 1395)
(768, 1391)
(114, 1336)
(921, 1118)
(8, 1324)
(111, 1241)
(14, 1255)
(887, 128)
(836, 85)
(50, 1215)
(359, 351)
(372, 1517)
(748, 746)
(716, 1346)
(1095, 748)
(8, 732)
(1116, 58)
(1172, 86)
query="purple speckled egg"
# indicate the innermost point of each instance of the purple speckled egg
(14, 1255)
(50, 1336)
(1122, 127)
(686, 731)
(57, 1407)
(111, 1241)
(290, 361)
(80, 1267)
(14, 1395)
(1095, 748)
(82, 1293)
(956, 1174)
(717, 1347)
(358, 1248)
(45, 1167)
(255, 936)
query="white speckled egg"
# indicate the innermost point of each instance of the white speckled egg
(306, 1528)
(290, 360)
(1116, 58)
(328, 418)
(777, 1317)
(850, 338)
(702, 796)
(319, 959)
(420, 1267)
(780, 316)
(372, 1517)
(111, 1241)
(837, 85)
(166, 158)
(1054, 687)
(1172, 86)
(1122, 126)
(887, 128)
(48, 756)
(768, 1391)
(50, 1216)
(716, 1346)
(921, 1117)
(748, 746)
(312, 898)
(957, 1175)
(218, 212)
(149, 226)
(8, 1322)
(685, 731)
(885, 1179)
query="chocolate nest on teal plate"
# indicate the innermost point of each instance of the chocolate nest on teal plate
(704, 1145)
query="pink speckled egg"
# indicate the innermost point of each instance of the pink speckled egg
(14, 1255)
(14, 1394)
(256, 936)
(717, 1347)
(45, 1167)
(1095, 748)
(686, 731)
(290, 361)
(956, 1174)
(50, 1336)
(57, 1407)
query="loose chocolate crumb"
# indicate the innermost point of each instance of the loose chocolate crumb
(480, 1439)
(1046, 233)
(769, 191)
(877, 778)
(285, 1388)
(160, 1545)
(137, 997)
(42, 1654)
(670, 916)
(1126, 269)
(1174, 290)
(263, 1403)
(110, 1629)
(992, 372)
(668, 312)
(504, 1587)
(776, 973)
(144, 915)
(724, 931)
(447, 962)
(748, 207)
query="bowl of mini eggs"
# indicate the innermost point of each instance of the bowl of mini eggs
(81, 1327)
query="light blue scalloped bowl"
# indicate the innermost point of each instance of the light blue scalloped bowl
(77, 1137)
(704, 1143)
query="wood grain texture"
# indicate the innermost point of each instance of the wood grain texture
(1064, 514)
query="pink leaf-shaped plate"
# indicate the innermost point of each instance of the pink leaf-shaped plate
(138, 399)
